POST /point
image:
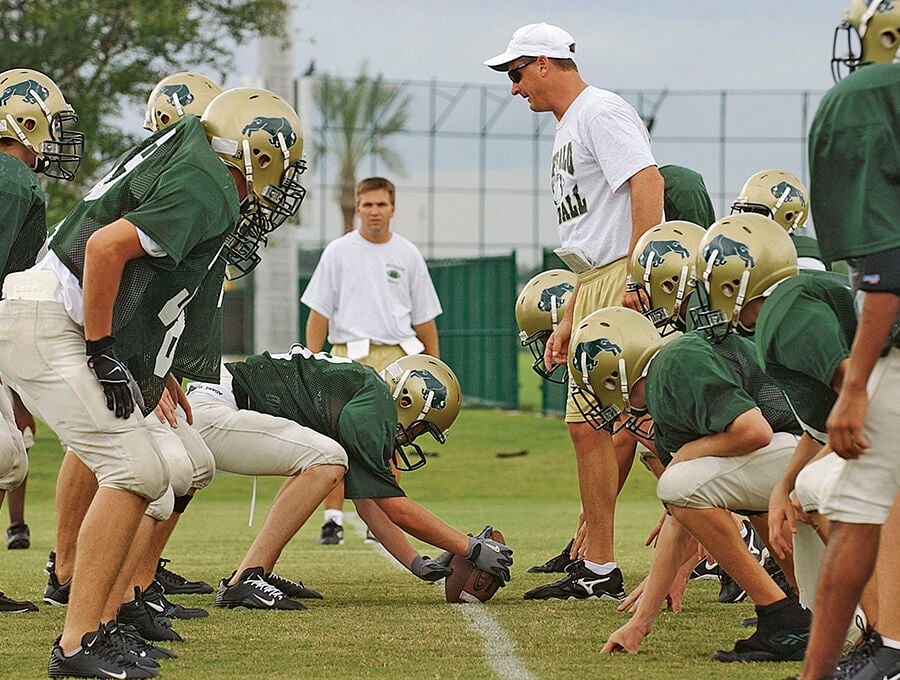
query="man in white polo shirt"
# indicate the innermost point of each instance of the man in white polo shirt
(372, 297)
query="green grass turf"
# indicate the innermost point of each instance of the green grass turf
(381, 622)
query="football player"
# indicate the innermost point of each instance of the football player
(853, 149)
(316, 419)
(35, 137)
(782, 197)
(121, 268)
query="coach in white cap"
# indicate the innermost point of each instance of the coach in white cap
(607, 192)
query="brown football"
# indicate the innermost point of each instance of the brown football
(468, 583)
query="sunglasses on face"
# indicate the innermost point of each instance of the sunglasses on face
(515, 72)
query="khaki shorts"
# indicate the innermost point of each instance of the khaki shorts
(864, 489)
(247, 442)
(738, 483)
(379, 355)
(598, 288)
(42, 358)
(13, 456)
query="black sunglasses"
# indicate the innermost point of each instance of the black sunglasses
(514, 74)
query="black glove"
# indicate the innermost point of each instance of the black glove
(112, 375)
(429, 569)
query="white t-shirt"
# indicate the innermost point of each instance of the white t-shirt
(600, 144)
(374, 291)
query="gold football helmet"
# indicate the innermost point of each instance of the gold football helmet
(740, 258)
(662, 267)
(871, 31)
(428, 399)
(258, 133)
(34, 112)
(608, 353)
(176, 95)
(540, 307)
(776, 194)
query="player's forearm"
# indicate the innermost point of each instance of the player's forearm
(647, 187)
(878, 314)
(672, 550)
(428, 336)
(316, 331)
(745, 434)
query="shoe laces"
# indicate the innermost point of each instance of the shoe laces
(280, 581)
(869, 642)
(110, 650)
(171, 575)
(259, 582)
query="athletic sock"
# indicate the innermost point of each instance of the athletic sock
(600, 569)
(336, 516)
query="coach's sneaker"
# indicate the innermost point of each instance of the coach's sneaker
(252, 591)
(136, 617)
(291, 588)
(332, 533)
(557, 564)
(11, 606)
(96, 658)
(781, 635)
(18, 537)
(580, 583)
(175, 584)
(882, 664)
(154, 598)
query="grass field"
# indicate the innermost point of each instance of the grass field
(378, 621)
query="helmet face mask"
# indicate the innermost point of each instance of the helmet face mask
(34, 112)
(540, 307)
(608, 354)
(868, 34)
(428, 398)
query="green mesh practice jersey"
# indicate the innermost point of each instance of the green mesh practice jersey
(334, 396)
(695, 389)
(177, 191)
(804, 330)
(23, 222)
(854, 156)
(685, 196)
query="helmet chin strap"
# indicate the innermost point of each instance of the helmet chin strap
(248, 164)
(554, 312)
(739, 300)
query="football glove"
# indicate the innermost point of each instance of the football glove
(490, 555)
(429, 569)
(112, 375)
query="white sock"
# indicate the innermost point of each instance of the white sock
(336, 516)
(743, 530)
(893, 644)
(600, 569)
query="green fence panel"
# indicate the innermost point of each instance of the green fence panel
(477, 330)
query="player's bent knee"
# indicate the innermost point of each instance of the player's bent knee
(161, 508)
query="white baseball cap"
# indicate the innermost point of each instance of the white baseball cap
(535, 40)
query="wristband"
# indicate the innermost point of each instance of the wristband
(93, 347)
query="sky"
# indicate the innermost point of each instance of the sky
(684, 44)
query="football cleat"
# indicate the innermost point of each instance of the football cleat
(706, 571)
(332, 533)
(580, 583)
(252, 591)
(558, 564)
(292, 589)
(137, 618)
(18, 537)
(782, 633)
(97, 658)
(154, 598)
(883, 663)
(175, 584)
(11, 606)
(55, 593)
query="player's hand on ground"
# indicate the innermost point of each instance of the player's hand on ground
(782, 521)
(112, 375)
(431, 569)
(628, 638)
(579, 545)
(490, 555)
(845, 424)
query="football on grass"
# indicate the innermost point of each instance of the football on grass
(468, 583)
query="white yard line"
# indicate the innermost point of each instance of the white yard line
(499, 649)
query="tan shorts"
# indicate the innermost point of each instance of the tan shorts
(13, 456)
(251, 443)
(42, 358)
(738, 483)
(864, 489)
(379, 355)
(598, 288)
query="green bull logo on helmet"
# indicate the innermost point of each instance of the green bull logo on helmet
(659, 250)
(586, 352)
(272, 126)
(433, 385)
(28, 90)
(180, 91)
(784, 191)
(555, 296)
(724, 248)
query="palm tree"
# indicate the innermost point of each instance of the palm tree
(357, 119)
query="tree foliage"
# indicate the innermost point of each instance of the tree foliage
(106, 55)
(358, 117)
